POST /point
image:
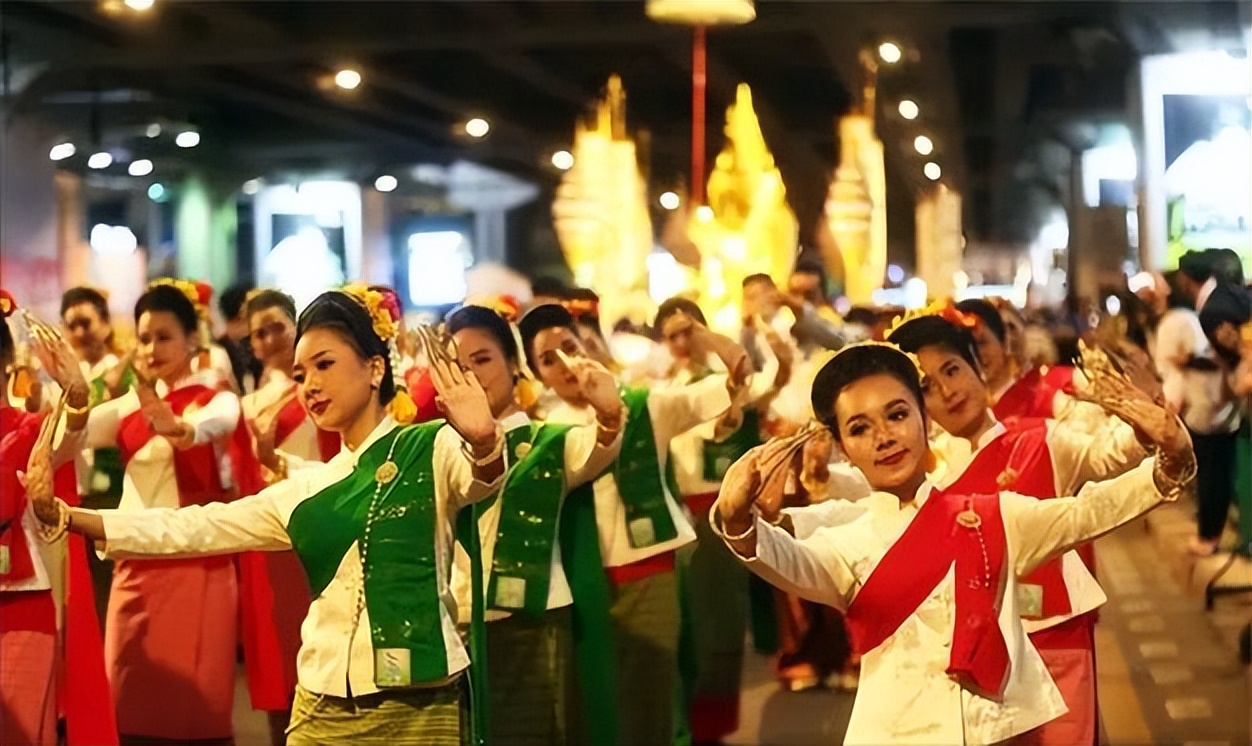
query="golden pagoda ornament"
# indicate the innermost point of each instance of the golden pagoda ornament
(747, 227)
(600, 212)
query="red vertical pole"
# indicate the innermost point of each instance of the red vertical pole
(698, 84)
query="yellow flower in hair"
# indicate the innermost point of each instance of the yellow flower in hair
(384, 325)
(186, 287)
(402, 408)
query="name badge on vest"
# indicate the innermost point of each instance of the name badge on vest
(642, 534)
(391, 667)
(1030, 600)
(100, 482)
(4, 560)
(510, 592)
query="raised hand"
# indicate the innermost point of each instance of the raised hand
(1113, 390)
(57, 358)
(460, 397)
(596, 383)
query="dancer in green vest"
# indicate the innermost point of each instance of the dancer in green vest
(713, 585)
(381, 661)
(640, 523)
(529, 635)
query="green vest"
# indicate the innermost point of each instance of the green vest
(394, 525)
(530, 508)
(719, 456)
(640, 481)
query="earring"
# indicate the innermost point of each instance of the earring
(932, 460)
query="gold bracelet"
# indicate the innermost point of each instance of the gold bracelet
(51, 534)
(621, 422)
(76, 411)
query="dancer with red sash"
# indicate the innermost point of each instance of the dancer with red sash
(273, 591)
(170, 632)
(41, 675)
(1043, 391)
(929, 577)
(1041, 458)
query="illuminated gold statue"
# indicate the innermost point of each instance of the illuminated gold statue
(856, 206)
(751, 228)
(600, 212)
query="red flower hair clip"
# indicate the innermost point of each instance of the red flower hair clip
(7, 304)
(581, 307)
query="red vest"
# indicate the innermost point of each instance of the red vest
(1032, 394)
(291, 416)
(196, 468)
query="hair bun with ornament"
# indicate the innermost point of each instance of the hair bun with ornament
(383, 305)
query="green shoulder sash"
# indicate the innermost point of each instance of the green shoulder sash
(530, 506)
(640, 481)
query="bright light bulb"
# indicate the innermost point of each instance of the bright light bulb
(704, 213)
(923, 145)
(188, 139)
(156, 192)
(908, 109)
(153, 131)
(251, 186)
(889, 53)
(932, 171)
(895, 273)
(100, 160)
(670, 201)
(141, 167)
(386, 183)
(348, 79)
(477, 127)
(140, 5)
(563, 160)
(62, 151)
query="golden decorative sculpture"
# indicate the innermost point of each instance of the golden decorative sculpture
(601, 215)
(751, 228)
(856, 208)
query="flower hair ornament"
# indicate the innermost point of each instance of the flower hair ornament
(201, 295)
(7, 304)
(506, 306)
(944, 309)
(384, 312)
(580, 307)
(913, 358)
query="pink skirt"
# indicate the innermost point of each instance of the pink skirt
(169, 647)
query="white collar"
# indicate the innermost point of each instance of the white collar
(514, 421)
(887, 501)
(380, 430)
(992, 433)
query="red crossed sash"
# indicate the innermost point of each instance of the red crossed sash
(918, 561)
(83, 689)
(292, 416)
(1033, 393)
(196, 468)
(1019, 461)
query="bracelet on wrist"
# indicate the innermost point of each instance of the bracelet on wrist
(52, 533)
(745, 535)
(497, 450)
